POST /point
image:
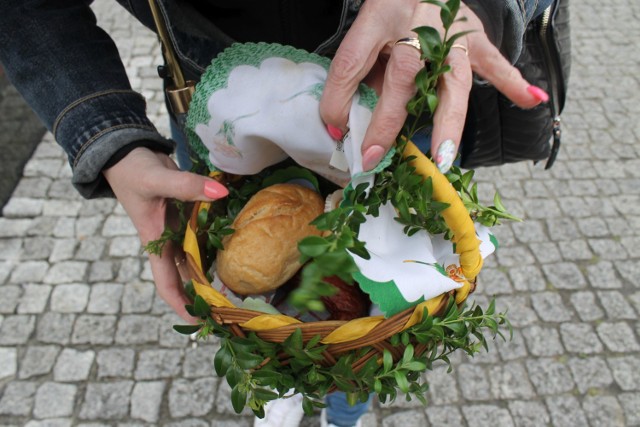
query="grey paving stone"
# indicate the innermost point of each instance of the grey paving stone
(519, 309)
(55, 327)
(580, 338)
(5, 270)
(17, 329)
(105, 298)
(565, 411)
(445, 416)
(41, 227)
(168, 337)
(575, 250)
(512, 349)
(629, 270)
(137, 297)
(603, 411)
(515, 256)
(32, 187)
(106, 400)
(125, 247)
(530, 231)
(549, 307)
(10, 249)
(541, 208)
(592, 227)
(65, 227)
(192, 397)
(91, 249)
(34, 299)
(43, 167)
(38, 360)
(66, 272)
(529, 413)
(590, 373)
(115, 362)
(69, 298)
(608, 249)
(14, 227)
(88, 226)
(564, 275)
(405, 419)
(19, 207)
(62, 189)
(616, 305)
(510, 381)
(51, 422)
(101, 271)
(98, 207)
(61, 208)
(155, 364)
(54, 400)
(18, 397)
(487, 415)
(63, 249)
(118, 226)
(474, 383)
(129, 270)
(198, 361)
(527, 278)
(137, 329)
(617, 336)
(192, 422)
(635, 300)
(8, 362)
(542, 341)
(493, 282)
(586, 305)
(146, 400)
(10, 299)
(549, 376)
(443, 387)
(29, 272)
(37, 248)
(73, 365)
(603, 275)
(626, 372)
(94, 329)
(631, 404)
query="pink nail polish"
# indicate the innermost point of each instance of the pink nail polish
(214, 190)
(538, 93)
(334, 132)
(372, 157)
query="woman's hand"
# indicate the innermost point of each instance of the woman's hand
(144, 182)
(369, 54)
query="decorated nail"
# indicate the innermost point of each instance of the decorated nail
(446, 155)
(538, 93)
(372, 157)
(334, 132)
(214, 190)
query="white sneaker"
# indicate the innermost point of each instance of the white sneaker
(282, 413)
(324, 423)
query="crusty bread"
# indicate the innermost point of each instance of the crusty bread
(262, 253)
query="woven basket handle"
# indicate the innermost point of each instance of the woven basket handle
(456, 216)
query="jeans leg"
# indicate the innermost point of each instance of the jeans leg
(182, 148)
(340, 413)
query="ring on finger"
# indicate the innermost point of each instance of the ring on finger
(461, 46)
(410, 41)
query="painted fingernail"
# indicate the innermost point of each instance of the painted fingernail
(214, 190)
(446, 155)
(538, 93)
(372, 157)
(334, 132)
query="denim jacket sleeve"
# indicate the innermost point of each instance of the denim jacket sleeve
(70, 72)
(505, 21)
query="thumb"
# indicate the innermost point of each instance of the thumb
(187, 186)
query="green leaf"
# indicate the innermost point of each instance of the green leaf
(416, 366)
(401, 380)
(408, 354)
(238, 399)
(387, 360)
(264, 394)
(313, 246)
(307, 406)
(186, 329)
(222, 361)
(200, 307)
(202, 218)
(248, 360)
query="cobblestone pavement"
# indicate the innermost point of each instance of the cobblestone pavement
(85, 341)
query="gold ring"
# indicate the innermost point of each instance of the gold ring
(463, 47)
(410, 41)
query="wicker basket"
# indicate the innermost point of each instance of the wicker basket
(369, 337)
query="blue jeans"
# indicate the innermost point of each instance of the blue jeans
(340, 413)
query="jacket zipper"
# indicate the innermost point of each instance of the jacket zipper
(553, 72)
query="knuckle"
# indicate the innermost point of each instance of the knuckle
(345, 66)
(403, 68)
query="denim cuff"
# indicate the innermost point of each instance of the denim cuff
(94, 128)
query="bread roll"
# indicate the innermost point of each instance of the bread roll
(262, 253)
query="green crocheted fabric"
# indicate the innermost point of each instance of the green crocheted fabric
(216, 77)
